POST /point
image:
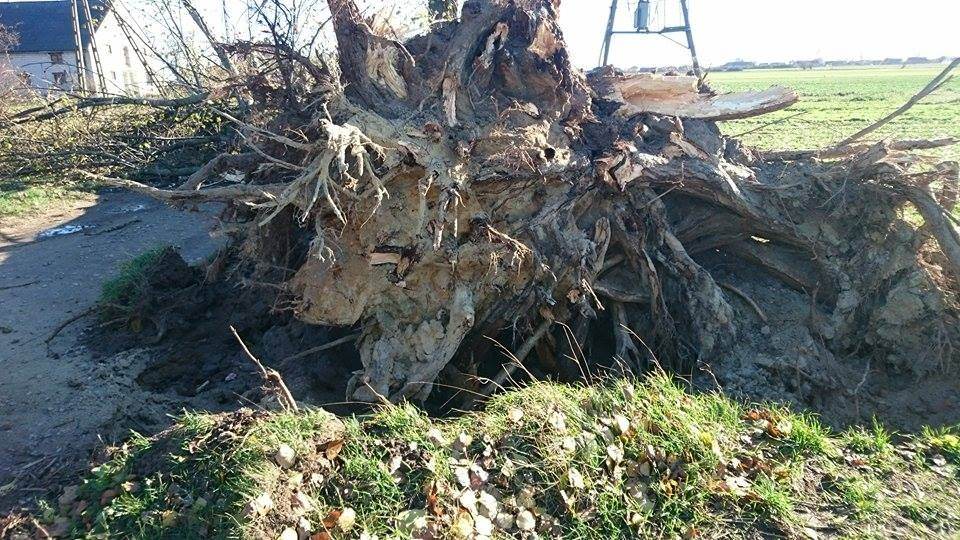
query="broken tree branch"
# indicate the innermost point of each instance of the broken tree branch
(241, 192)
(931, 87)
(270, 377)
(109, 101)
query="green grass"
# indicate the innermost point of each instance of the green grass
(196, 481)
(24, 198)
(122, 292)
(839, 102)
(36, 157)
(946, 441)
(618, 460)
(861, 495)
(874, 443)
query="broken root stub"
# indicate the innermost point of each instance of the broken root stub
(453, 193)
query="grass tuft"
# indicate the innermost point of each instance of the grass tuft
(123, 291)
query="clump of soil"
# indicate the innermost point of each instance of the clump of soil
(184, 318)
(782, 357)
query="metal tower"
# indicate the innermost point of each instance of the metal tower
(641, 23)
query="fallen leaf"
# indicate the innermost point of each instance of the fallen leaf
(433, 502)
(410, 521)
(468, 500)
(394, 464)
(462, 527)
(557, 420)
(304, 528)
(259, 506)
(435, 436)
(622, 423)
(462, 475)
(108, 496)
(301, 503)
(332, 518)
(505, 520)
(168, 519)
(636, 490)
(332, 449)
(615, 453)
(487, 505)
(478, 476)
(525, 498)
(738, 485)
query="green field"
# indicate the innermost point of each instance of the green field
(838, 102)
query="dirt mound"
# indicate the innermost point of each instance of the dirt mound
(183, 313)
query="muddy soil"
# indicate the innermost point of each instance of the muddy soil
(89, 386)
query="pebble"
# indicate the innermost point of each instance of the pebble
(69, 495)
(285, 456)
(526, 521)
(347, 519)
(289, 534)
(259, 506)
(483, 526)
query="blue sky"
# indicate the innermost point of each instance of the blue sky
(772, 30)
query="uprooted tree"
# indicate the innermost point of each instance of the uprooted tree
(468, 192)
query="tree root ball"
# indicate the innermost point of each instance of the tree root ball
(473, 203)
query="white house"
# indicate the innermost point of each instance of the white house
(45, 56)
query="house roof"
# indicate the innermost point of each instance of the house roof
(47, 25)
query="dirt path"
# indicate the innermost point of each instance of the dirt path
(57, 402)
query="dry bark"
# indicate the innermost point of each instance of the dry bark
(470, 185)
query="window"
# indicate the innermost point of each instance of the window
(109, 49)
(126, 56)
(113, 75)
(130, 83)
(56, 57)
(60, 78)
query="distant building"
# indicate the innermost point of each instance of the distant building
(738, 65)
(45, 56)
(810, 64)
